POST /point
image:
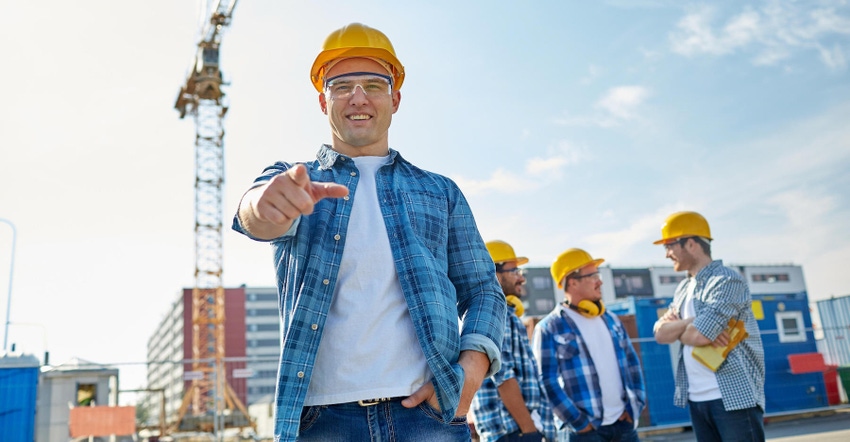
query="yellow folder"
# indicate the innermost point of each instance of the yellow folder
(711, 356)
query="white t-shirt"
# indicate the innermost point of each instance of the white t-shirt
(369, 347)
(597, 337)
(702, 382)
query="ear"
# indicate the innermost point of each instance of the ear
(323, 103)
(396, 100)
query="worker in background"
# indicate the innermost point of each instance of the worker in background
(376, 261)
(588, 365)
(511, 405)
(727, 405)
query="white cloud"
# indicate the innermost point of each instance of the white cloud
(593, 72)
(617, 105)
(834, 58)
(501, 180)
(537, 171)
(622, 101)
(537, 166)
(564, 154)
(771, 34)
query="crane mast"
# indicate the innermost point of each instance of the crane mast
(202, 98)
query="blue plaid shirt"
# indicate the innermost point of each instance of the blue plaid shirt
(721, 294)
(492, 419)
(570, 377)
(442, 264)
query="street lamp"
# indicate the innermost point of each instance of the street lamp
(11, 273)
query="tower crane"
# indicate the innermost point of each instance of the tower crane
(202, 97)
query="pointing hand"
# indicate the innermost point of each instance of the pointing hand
(292, 194)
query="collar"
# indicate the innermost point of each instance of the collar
(708, 270)
(327, 157)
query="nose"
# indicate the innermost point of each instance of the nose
(361, 95)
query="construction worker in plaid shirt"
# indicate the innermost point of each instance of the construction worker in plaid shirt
(588, 365)
(511, 405)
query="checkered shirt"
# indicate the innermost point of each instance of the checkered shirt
(442, 264)
(492, 419)
(570, 377)
(720, 294)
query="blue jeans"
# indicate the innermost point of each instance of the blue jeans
(516, 436)
(384, 422)
(620, 431)
(711, 422)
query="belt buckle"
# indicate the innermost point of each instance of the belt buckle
(370, 402)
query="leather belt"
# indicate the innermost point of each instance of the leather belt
(376, 401)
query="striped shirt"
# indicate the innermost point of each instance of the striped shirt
(442, 265)
(571, 378)
(720, 294)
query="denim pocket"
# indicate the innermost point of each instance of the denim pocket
(309, 416)
(432, 413)
(428, 215)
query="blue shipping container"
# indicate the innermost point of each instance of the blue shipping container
(656, 360)
(786, 329)
(18, 389)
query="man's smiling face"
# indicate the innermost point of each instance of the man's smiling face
(360, 123)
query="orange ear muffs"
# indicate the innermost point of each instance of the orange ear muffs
(516, 303)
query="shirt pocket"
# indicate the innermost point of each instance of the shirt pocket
(566, 347)
(428, 214)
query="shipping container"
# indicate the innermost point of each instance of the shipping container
(786, 330)
(835, 320)
(658, 361)
(18, 391)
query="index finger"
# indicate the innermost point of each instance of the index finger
(298, 174)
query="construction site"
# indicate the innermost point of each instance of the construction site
(212, 360)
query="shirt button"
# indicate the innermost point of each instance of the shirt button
(345, 198)
(353, 173)
(326, 282)
(315, 326)
(300, 374)
(337, 237)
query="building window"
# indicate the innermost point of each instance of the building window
(544, 304)
(541, 283)
(770, 278)
(632, 282)
(790, 326)
(263, 327)
(86, 394)
(670, 279)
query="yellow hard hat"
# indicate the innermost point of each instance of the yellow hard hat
(356, 40)
(501, 251)
(570, 261)
(684, 224)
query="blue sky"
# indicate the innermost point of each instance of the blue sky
(567, 124)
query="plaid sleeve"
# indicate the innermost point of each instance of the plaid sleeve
(480, 301)
(507, 369)
(546, 353)
(725, 297)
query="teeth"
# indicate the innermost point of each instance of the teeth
(359, 117)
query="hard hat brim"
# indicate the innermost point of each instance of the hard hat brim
(333, 54)
(520, 260)
(595, 262)
(674, 239)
